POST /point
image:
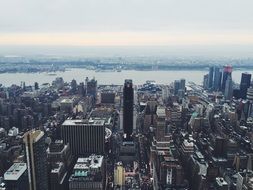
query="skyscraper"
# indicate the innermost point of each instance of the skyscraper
(177, 85)
(250, 98)
(36, 158)
(91, 87)
(84, 137)
(182, 84)
(205, 81)
(73, 85)
(245, 84)
(210, 77)
(181, 91)
(228, 89)
(128, 105)
(227, 71)
(217, 79)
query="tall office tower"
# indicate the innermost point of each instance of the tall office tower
(36, 158)
(210, 77)
(177, 85)
(81, 89)
(181, 91)
(59, 160)
(228, 89)
(227, 71)
(128, 106)
(91, 87)
(205, 81)
(84, 137)
(245, 84)
(245, 105)
(149, 116)
(160, 132)
(217, 79)
(73, 85)
(250, 98)
(182, 84)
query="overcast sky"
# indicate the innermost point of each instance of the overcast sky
(126, 22)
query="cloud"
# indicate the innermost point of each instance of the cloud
(173, 21)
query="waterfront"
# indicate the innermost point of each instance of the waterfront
(139, 77)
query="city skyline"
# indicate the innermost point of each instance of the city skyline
(126, 95)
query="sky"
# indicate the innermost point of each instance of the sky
(126, 22)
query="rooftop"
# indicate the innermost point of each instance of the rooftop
(161, 112)
(93, 161)
(78, 122)
(15, 171)
(35, 135)
(221, 182)
(88, 168)
(67, 100)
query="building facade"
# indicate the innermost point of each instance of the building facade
(36, 158)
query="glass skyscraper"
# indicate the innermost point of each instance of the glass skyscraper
(128, 105)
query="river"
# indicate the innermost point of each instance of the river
(138, 77)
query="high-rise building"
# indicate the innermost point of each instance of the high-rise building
(36, 158)
(16, 177)
(59, 160)
(128, 108)
(73, 85)
(84, 137)
(227, 71)
(160, 132)
(59, 152)
(182, 84)
(205, 81)
(57, 176)
(229, 89)
(250, 93)
(81, 90)
(250, 99)
(181, 91)
(210, 77)
(245, 84)
(217, 79)
(149, 116)
(177, 85)
(91, 87)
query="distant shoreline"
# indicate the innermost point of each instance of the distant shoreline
(112, 77)
(100, 70)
